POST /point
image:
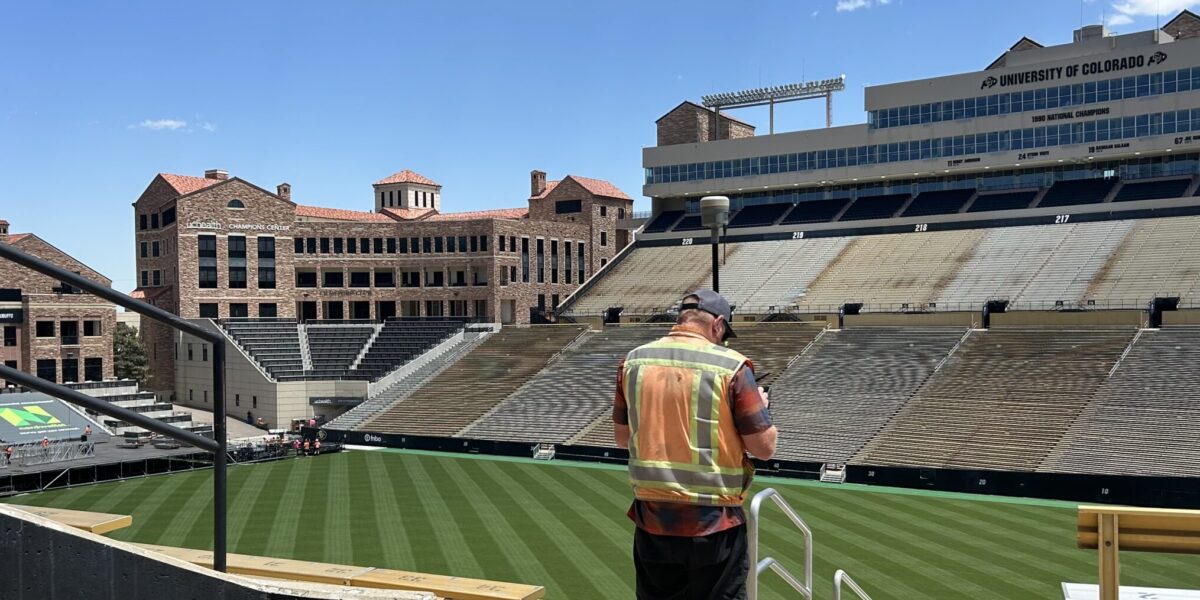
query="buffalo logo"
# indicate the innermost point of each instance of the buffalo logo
(322, 434)
(1158, 57)
(987, 83)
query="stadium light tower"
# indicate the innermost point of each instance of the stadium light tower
(714, 214)
(770, 96)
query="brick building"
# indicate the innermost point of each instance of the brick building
(218, 246)
(51, 329)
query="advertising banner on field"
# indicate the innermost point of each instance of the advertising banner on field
(31, 417)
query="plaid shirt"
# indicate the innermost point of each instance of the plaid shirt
(750, 416)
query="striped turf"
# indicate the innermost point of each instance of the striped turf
(563, 525)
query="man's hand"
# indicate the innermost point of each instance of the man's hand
(766, 400)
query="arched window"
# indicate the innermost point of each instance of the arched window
(235, 203)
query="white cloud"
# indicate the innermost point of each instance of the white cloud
(816, 12)
(161, 124)
(207, 126)
(1128, 9)
(852, 5)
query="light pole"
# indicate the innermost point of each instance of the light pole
(714, 214)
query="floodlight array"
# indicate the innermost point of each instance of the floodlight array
(775, 93)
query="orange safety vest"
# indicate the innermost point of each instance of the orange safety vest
(683, 444)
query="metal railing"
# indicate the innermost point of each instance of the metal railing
(758, 566)
(840, 578)
(217, 447)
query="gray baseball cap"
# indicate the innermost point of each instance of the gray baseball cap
(714, 304)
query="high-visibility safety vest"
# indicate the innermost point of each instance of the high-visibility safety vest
(683, 444)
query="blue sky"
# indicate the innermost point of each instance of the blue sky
(95, 98)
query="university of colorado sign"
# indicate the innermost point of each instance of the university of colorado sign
(1095, 67)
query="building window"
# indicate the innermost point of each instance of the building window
(68, 332)
(306, 279)
(337, 245)
(203, 352)
(462, 243)
(360, 279)
(391, 245)
(351, 246)
(310, 245)
(512, 272)
(541, 260)
(377, 245)
(268, 310)
(385, 278)
(437, 245)
(236, 204)
(191, 356)
(410, 279)
(458, 308)
(253, 401)
(93, 369)
(567, 262)
(91, 328)
(324, 245)
(512, 243)
(553, 261)
(553, 301)
(208, 310)
(70, 370)
(502, 244)
(299, 245)
(435, 278)
(475, 244)
(157, 277)
(10, 336)
(564, 207)
(582, 264)
(207, 248)
(145, 278)
(603, 210)
(266, 262)
(458, 279)
(145, 250)
(412, 243)
(481, 308)
(333, 279)
(143, 222)
(483, 241)
(524, 260)
(603, 238)
(433, 308)
(239, 310)
(237, 399)
(154, 249)
(621, 213)
(44, 329)
(603, 261)
(427, 244)
(47, 369)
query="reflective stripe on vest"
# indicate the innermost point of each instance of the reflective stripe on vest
(706, 477)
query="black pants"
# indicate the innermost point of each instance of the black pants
(713, 567)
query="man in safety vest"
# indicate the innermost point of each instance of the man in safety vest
(688, 409)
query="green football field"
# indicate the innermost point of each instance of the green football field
(563, 525)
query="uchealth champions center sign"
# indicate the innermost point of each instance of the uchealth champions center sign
(28, 418)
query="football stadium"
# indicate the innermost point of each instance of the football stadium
(977, 315)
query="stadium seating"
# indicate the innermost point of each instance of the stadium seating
(689, 223)
(874, 207)
(1145, 419)
(1002, 201)
(846, 387)
(273, 343)
(335, 348)
(887, 271)
(567, 395)
(1002, 401)
(401, 340)
(1078, 191)
(758, 215)
(474, 384)
(815, 211)
(648, 279)
(940, 202)
(1157, 258)
(1152, 190)
(663, 221)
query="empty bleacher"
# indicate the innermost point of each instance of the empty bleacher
(1158, 257)
(1002, 401)
(985, 202)
(758, 215)
(939, 202)
(849, 384)
(1078, 191)
(273, 343)
(689, 223)
(815, 211)
(1152, 190)
(334, 348)
(886, 271)
(663, 221)
(874, 207)
(474, 384)
(1145, 419)
(567, 395)
(401, 340)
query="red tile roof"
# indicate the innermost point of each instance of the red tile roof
(145, 293)
(3, 222)
(16, 237)
(186, 184)
(598, 187)
(408, 214)
(338, 214)
(407, 176)
(500, 213)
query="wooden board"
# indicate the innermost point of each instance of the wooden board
(93, 522)
(450, 588)
(1143, 529)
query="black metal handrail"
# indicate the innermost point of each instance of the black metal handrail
(217, 447)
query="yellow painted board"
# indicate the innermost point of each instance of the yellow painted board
(93, 522)
(457, 588)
